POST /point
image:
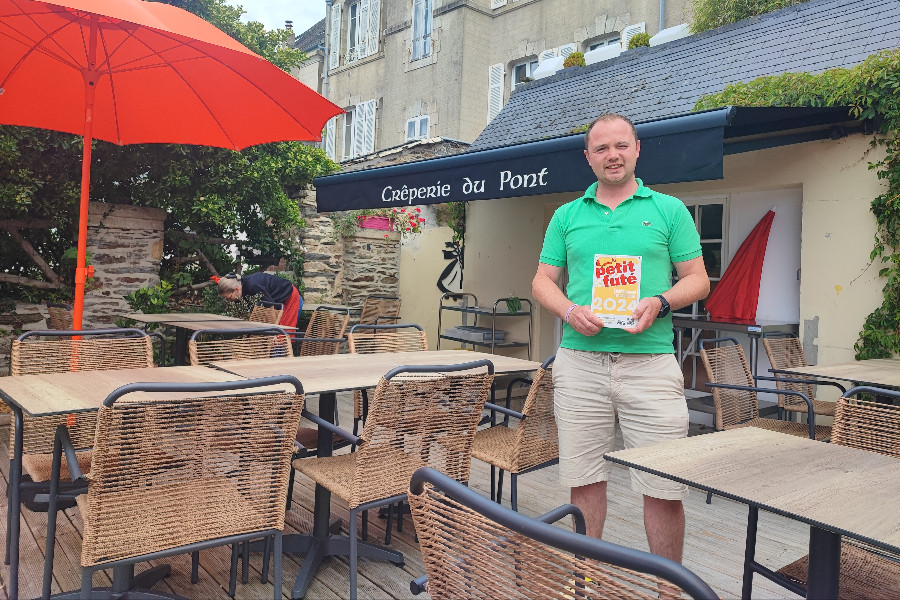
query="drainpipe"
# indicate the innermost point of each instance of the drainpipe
(662, 15)
(328, 4)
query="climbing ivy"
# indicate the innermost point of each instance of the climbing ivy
(871, 90)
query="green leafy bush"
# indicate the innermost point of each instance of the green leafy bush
(575, 59)
(638, 40)
(709, 14)
(151, 300)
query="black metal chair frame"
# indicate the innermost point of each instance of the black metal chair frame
(125, 584)
(385, 317)
(497, 482)
(567, 541)
(298, 337)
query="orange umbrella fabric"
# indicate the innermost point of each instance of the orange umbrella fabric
(130, 72)
(737, 295)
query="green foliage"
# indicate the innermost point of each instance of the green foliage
(709, 14)
(872, 91)
(7, 306)
(575, 59)
(214, 192)
(638, 40)
(453, 215)
(513, 304)
(404, 221)
(151, 300)
(214, 303)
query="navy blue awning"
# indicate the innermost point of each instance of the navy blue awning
(675, 149)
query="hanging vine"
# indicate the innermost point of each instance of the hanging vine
(871, 90)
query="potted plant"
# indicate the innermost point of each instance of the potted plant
(382, 222)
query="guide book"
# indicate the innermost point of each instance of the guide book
(617, 289)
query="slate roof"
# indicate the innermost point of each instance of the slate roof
(649, 83)
(311, 38)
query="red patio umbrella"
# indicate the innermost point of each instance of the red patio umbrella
(132, 72)
(737, 295)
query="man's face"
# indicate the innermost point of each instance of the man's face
(612, 152)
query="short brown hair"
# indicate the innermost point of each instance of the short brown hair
(609, 117)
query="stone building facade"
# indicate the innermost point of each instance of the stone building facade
(418, 69)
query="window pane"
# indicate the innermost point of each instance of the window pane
(519, 73)
(410, 130)
(693, 210)
(348, 134)
(423, 127)
(595, 46)
(711, 221)
(613, 41)
(712, 258)
(351, 35)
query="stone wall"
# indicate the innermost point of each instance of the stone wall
(126, 247)
(322, 254)
(371, 265)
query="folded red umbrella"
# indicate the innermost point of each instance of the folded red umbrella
(737, 295)
(130, 72)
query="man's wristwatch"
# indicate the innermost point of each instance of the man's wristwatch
(665, 308)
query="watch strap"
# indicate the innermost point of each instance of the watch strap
(665, 308)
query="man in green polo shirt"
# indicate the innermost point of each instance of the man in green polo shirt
(603, 372)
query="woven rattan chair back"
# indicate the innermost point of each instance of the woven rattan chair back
(416, 421)
(728, 365)
(867, 426)
(246, 347)
(537, 440)
(468, 555)
(266, 314)
(787, 353)
(379, 306)
(184, 471)
(402, 338)
(60, 318)
(38, 356)
(324, 324)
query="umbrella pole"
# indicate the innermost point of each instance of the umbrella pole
(90, 87)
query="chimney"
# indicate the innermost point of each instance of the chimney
(289, 25)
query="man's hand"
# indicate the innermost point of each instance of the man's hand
(584, 321)
(645, 314)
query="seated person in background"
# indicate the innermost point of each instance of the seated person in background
(273, 289)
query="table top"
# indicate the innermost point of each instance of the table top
(63, 393)
(844, 490)
(314, 306)
(340, 372)
(236, 324)
(169, 318)
(883, 372)
(754, 326)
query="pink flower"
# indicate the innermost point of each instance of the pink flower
(418, 210)
(421, 220)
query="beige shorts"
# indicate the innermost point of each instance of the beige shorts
(645, 391)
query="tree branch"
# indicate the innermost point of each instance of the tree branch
(194, 236)
(46, 285)
(33, 254)
(27, 224)
(198, 257)
(190, 288)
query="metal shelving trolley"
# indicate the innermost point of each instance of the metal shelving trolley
(498, 310)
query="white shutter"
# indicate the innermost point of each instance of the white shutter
(362, 29)
(548, 53)
(374, 16)
(495, 4)
(567, 50)
(630, 32)
(495, 90)
(359, 134)
(329, 137)
(335, 50)
(418, 28)
(369, 128)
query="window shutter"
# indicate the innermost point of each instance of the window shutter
(362, 29)
(374, 16)
(329, 137)
(567, 49)
(630, 32)
(495, 4)
(335, 50)
(548, 53)
(495, 90)
(359, 120)
(369, 132)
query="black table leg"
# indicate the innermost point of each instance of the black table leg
(824, 564)
(14, 506)
(750, 554)
(180, 346)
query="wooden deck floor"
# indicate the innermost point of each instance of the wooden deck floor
(714, 544)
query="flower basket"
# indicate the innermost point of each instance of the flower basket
(374, 222)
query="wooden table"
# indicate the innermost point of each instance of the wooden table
(67, 393)
(880, 372)
(326, 375)
(838, 491)
(314, 306)
(169, 318)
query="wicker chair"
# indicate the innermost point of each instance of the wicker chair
(533, 445)
(168, 478)
(473, 548)
(267, 314)
(60, 316)
(420, 416)
(787, 353)
(379, 308)
(238, 344)
(735, 393)
(865, 574)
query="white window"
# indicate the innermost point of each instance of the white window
(495, 90)
(348, 135)
(335, 50)
(352, 30)
(362, 29)
(566, 50)
(610, 42)
(495, 4)
(359, 130)
(421, 29)
(524, 72)
(417, 128)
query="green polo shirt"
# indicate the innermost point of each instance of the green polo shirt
(655, 226)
